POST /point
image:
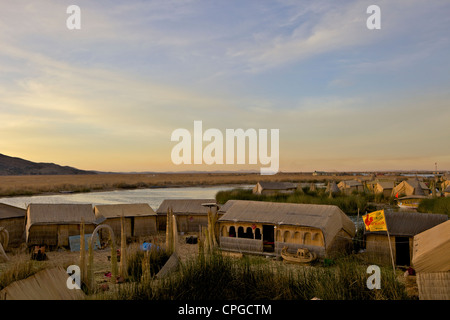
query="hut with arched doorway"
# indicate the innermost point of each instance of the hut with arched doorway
(266, 227)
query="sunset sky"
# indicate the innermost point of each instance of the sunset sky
(108, 96)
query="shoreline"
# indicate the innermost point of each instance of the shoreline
(22, 186)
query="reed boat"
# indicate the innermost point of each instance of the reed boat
(302, 255)
(410, 202)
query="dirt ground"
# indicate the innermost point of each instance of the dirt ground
(185, 251)
(102, 263)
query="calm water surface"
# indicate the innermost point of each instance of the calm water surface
(153, 197)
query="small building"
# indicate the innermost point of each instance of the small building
(190, 213)
(445, 187)
(53, 224)
(402, 226)
(431, 261)
(382, 187)
(261, 227)
(140, 219)
(271, 188)
(411, 187)
(332, 188)
(446, 191)
(350, 186)
(13, 219)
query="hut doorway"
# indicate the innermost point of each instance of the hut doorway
(402, 255)
(268, 238)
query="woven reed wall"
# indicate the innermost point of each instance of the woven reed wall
(241, 244)
(145, 226)
(434, 286)
(16, 230)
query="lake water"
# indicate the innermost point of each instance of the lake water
(153, 197)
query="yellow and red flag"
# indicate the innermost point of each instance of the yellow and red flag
(375, 221)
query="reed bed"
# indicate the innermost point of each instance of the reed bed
(347, 203)
(218, 277)
(435, 205)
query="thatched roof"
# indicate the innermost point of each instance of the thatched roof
(267, 185)
(226, 206)
(432, 248)
(330, 219)
(386, 184)
(43, 214)
(408, 224)
(332, 187)
(350, 183)
(128, 210)
(7, 212)
(185, 206)
(47, 284)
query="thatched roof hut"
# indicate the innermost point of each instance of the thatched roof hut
(431, 260)
(266, 227)
(411, 187)
(332, 188)
(190, 213)
(140, 219)
(403, 226)
(350, 186)
(13, 219)
(270, 188)
(53, 224)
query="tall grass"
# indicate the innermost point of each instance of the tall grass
(435, 205)
(216, 277)
(19, 271)
(137, 260)
(347, 203)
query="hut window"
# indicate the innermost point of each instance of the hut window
(248, 234)
(232, 232)
(258, 234)
(286, 236)
(298, 237)
(307, 238)
(241, 232)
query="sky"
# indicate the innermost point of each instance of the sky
(108, 96)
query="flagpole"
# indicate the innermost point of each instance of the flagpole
(390, 245)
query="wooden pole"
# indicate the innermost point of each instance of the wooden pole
(82, 252)
(123, 248)
(390, 247)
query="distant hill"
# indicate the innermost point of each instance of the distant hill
(11, 166)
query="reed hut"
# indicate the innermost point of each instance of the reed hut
(382, 187)
(431, 261)
(402, 226)
(266, 227)
(13, 219)
(350, 186)
(190, 213)
(445, 187)
(271, 188)
(140, 219)
(332, 188)
(52, 224)
(411, 187)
